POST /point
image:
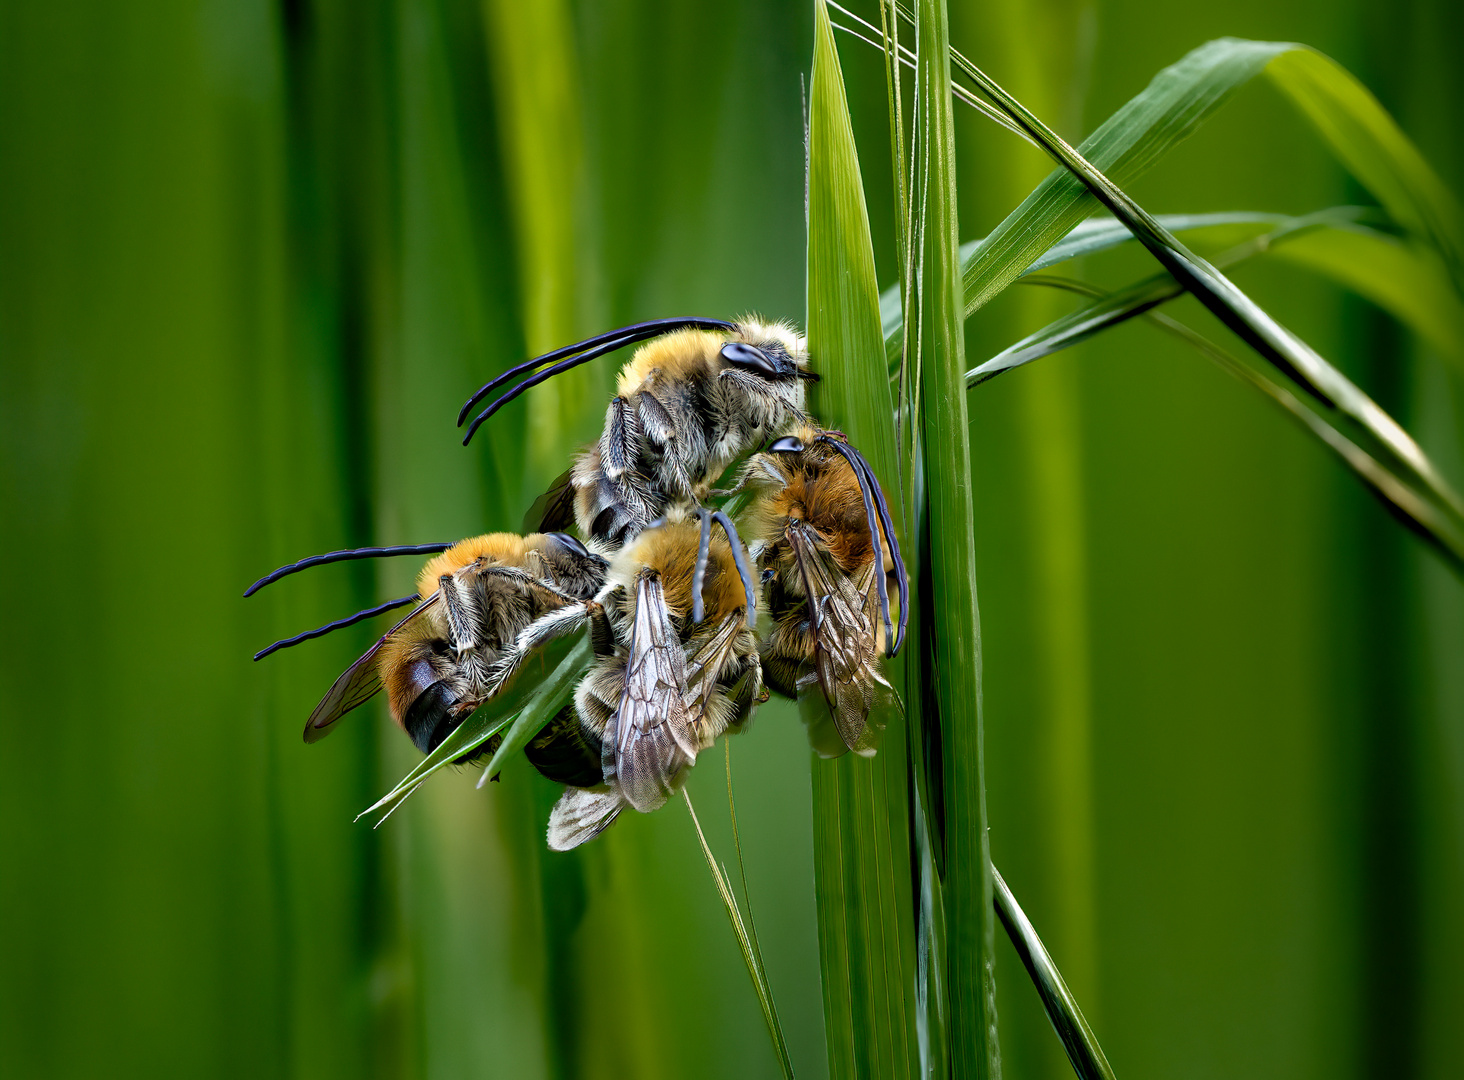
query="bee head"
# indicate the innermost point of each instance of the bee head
(575, 568)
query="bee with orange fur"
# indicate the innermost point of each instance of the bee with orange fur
(475, 597)
(822, 536)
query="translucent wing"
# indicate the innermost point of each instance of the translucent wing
(357, 685)
(581, 815)
(846, 645)
(553, 511)
(706, 660)
(649, 739)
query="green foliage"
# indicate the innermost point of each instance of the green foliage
(251, 261)
(861, 838)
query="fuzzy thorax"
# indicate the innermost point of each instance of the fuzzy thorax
(670, 550)
(499, 549)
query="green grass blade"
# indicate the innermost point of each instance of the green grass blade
(1288, 353)
(750, 954)
(950, 621)
(528, 702)
(1067, 1019)
(1374, 149)
(1410, 505)
(1220, 230)
(1405, 280)
(861, 839)
(1337, 257)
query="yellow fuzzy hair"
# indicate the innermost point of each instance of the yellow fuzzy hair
(676, 355)
(502, 549)
(671, 550)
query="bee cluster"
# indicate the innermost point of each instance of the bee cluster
(668, 584)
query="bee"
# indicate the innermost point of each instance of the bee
(690, 401)
(825, 545)
(666, 681)
(472, 600)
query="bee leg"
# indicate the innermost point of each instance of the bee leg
(602, 635)
(747, 692)
(902, 578)
(739, 557)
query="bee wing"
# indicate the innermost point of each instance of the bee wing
(357, 685)
(581, 815)
(553, 511)
(704, 667)
(846, 652)
(650, 733)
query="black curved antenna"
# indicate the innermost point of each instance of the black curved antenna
(704, 550)
(344, 556)
(734, 541)
(874, 498)
(579, 353)
(339, 624)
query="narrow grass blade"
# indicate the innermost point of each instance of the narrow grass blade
(1374, 149)
(1410, 506)
(1112, 309)
(750, 954)
(1290, 355)
(951, 642)
(529, 698)
(861, 837)
(1067, 1019)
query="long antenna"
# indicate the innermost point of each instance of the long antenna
(593, 347)
(339, 624)
(344, 556)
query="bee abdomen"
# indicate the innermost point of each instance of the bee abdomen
(566, 752)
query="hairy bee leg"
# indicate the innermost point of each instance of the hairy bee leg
(557, 623)
(746, 692)
(461, 613)
(902, 578)
(739, 557)
(602, 634)
(849, 454)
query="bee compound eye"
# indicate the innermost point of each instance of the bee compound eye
(788, 444)
(571, 543)
(750, 358)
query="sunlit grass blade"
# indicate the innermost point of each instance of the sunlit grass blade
(950, 621)
(1412, 507)
(537, 691)
(1067, 1019)
(751, 956)
(1242, 233)
(1176, 102)
(861, 837)
(1374, 149)
(1398, 278)
(1288, 353)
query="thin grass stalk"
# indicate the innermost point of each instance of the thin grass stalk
(952, 644)
(1077, 1037)
(750, 954)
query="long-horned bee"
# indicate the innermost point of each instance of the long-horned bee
(475, 597)
(665, 684)
(688, 403)
(822, 536)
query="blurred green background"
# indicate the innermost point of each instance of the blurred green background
(253, 257)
